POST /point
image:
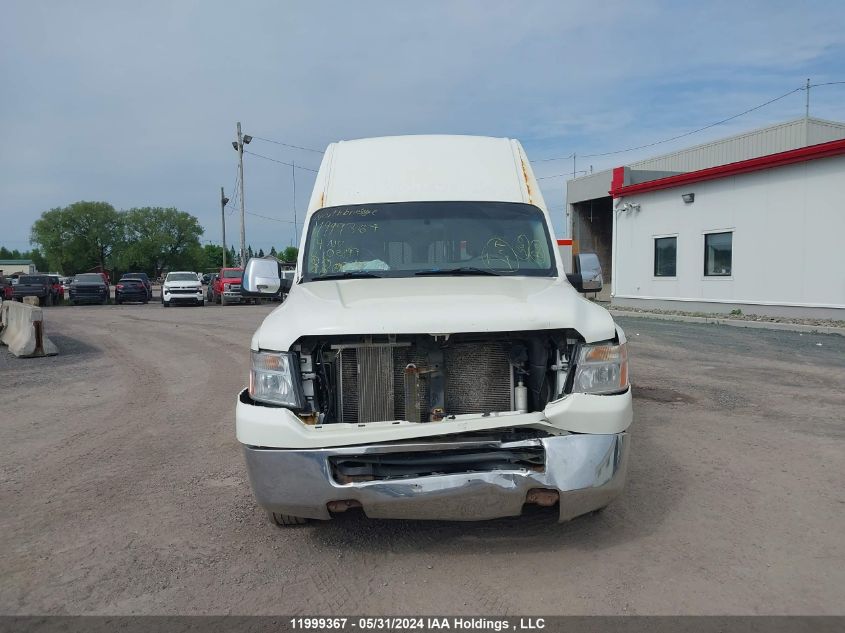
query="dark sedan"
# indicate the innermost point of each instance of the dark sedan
(130, 289)
(143, 278)
(88, 288)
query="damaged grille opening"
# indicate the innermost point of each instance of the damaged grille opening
(378, 467)
(429, 378)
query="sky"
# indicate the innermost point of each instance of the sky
(135, 103)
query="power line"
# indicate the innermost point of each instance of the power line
(281, 162)
(701, 129)
(236, 192)
(307, 149)
(267, 217)
(545, 160)
(676, 137)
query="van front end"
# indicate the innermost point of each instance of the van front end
(459, 427)
(431, 359)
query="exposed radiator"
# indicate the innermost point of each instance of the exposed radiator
(371, 382)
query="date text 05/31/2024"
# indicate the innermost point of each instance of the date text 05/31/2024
(417, 624)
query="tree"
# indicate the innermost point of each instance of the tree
(261, 252)
(159, 239)
(273, 252)
(249, 254)
(211, 259)
(234, 258)
(78, 237)
(290, 254)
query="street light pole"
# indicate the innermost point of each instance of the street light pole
(240, 149)
(223, 201)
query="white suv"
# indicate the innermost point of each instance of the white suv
(182, 287)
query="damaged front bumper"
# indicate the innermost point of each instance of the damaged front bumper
(584, 472)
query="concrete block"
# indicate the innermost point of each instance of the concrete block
(23, 330)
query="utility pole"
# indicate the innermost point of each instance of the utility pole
(807, 115)
(293, 177)
(223, 202)
(807, 105)
(240, 149)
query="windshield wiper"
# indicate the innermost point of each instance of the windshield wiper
(463, 270)
(349, 274)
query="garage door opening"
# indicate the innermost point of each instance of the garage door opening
(592, 231)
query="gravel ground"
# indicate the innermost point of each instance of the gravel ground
(738, 316)
(124, 491)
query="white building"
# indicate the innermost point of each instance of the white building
(760, 233)
(19, 266)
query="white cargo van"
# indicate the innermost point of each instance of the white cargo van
(431, 360)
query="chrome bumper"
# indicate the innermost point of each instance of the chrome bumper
(588, 471)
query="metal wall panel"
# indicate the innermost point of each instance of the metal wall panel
(762, 142)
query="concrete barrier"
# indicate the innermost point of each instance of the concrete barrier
(22, 329)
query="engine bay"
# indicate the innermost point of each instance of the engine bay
(428, 378)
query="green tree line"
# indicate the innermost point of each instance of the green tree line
(88, 235)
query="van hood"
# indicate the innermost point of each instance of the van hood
(431, 305)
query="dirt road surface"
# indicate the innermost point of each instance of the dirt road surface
(123, 489)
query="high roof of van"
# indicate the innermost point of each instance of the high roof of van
(425, 168)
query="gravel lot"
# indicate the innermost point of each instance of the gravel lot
(123, 489)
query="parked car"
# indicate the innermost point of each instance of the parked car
(106, 278)
(40, 286)
(5, 288)
(143, 278)
(58, 290)
(226, 288)
(206, 278)
(209, 290)
(88, 288)
(131, 289)
(182, 287)
(431, 361)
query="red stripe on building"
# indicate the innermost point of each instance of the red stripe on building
(564, 242)
(800, 155)
(618, 180)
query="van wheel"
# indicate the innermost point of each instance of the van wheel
(286, 520)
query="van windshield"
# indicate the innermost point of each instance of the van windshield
(404, 239)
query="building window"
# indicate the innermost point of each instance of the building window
(665, 256)
(718, 251)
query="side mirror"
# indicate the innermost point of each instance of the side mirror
(588, 275)
(263, 278)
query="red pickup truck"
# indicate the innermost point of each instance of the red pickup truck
(226, 286)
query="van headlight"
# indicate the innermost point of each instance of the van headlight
(602, 368)
(274, 379)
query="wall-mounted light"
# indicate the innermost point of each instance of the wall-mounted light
(689, 198)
